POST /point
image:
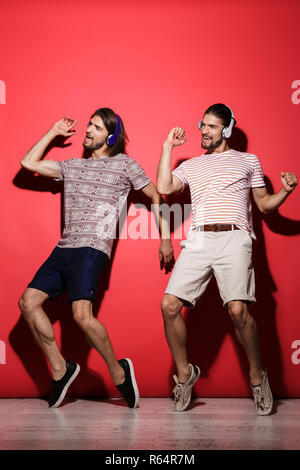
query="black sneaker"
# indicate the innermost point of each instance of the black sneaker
(61, 386)
(129, 388)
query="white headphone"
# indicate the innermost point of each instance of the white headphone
(226, 131)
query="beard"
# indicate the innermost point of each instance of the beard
(213, 145)
(93, 145)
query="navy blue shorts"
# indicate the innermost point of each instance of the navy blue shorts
(74, 269)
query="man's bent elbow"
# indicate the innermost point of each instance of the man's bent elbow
(264, 210)
(163, 190)
(24, 164)
(27, 166)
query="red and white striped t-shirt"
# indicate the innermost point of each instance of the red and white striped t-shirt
(220, 184)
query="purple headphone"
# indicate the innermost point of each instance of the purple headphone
(112, 138)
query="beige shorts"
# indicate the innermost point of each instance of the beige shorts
(226, 255)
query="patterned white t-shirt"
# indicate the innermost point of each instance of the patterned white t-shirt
(220, 185)
(95, 191)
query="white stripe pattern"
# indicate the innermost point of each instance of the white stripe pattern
(220, 186)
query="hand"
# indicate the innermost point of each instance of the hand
(289, 181)
(64, 126)
(166, 255)
(176, 136)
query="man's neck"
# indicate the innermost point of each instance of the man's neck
(100, 153)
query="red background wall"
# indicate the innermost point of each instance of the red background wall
(158, 64)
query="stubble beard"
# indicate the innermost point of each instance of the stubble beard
(213, 145)
(94, 146)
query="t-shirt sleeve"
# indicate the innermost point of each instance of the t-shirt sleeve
(136, 175)
(181, 173)
(61, 168)
(257, 178)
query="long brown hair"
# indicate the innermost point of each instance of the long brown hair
(109, 119)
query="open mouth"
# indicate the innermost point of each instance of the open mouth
(88, 139)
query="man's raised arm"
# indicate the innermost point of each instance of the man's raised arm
(32, 160)
(166, 182)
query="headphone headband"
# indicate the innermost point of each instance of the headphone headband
(226, 131)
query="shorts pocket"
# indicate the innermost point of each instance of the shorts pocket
(190, 239)
(248, 239)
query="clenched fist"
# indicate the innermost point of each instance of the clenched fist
(289, 181)
(176, 136)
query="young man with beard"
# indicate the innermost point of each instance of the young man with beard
(95, 190)
(219, 243)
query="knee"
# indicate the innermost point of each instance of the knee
(27, 304)
(238, 312)
(170, 307)
(81, 316)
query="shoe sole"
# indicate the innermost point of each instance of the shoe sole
(189, 400)
(65, 389)
(134, 384)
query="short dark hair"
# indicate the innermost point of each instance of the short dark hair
(221, 111)
(109, 119)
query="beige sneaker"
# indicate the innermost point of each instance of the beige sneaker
(263, 396)
(183, 392)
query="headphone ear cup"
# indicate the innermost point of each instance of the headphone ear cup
(112, 138)
(199, 125)
(228, 130)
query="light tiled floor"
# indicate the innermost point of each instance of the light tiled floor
(87, 424)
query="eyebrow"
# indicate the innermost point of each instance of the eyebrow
(210, 125)
(97, 127)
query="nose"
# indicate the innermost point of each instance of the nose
(89, 127)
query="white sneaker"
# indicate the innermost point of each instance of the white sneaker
(183, 392)
(263, 396)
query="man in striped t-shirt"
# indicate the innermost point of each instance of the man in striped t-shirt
(219, 243)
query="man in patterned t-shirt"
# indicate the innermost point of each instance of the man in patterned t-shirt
(95, 191)
(219, 243)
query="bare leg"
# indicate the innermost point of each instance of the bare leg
(31, 307)
(247, 334)
(97, 337)
(176, 335)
